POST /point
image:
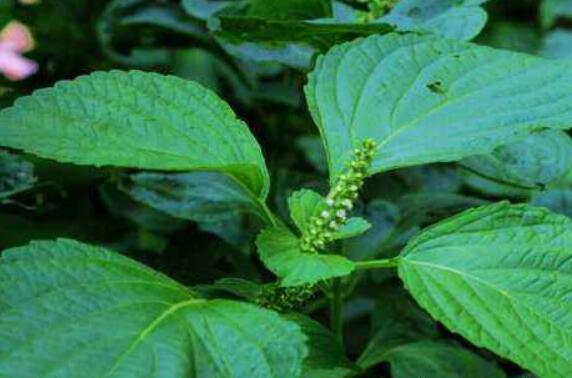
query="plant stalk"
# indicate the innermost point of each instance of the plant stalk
(377, 264)
(336, 309)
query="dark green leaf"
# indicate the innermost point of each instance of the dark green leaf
(430, 359)
(16, 175)
(195, 196)
(290, 9)
(397, 321)
(326, 358)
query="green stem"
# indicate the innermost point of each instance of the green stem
(269, 215)
(336, 309)
(377, 264)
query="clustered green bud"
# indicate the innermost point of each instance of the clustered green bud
(376, 9)
(284, 299)
(339, 201)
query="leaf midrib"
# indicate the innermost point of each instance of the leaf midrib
(150, 329)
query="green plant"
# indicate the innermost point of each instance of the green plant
(495, 273)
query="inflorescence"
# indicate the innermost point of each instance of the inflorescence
(285, 299)
(339, 201)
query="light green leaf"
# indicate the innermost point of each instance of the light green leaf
(280, 251)
(353, 227)
(406, 90)
(431, 359)
(462, 19)
(139, 120)
(195, 196)
(16, 175)
(499, 275)
(66, 304)
(303, 205)
(532, 163)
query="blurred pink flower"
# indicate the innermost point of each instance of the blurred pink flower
(16, 39)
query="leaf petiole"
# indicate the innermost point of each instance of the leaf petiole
(378, 264)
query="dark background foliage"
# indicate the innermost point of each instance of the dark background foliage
(76, 37)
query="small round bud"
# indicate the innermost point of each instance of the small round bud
(330, 202)
(341, 214)
(333, 225)
(347, 204)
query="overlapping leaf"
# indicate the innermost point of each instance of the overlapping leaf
(532, 163)
(65, 305)
(424, 99)
(454, 19)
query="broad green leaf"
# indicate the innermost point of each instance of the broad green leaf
(280, 251)
(431, 359)
(397, 321)
(326, 357)
(454, 19)
(73, 310)
(139, 120)
(290, 9)
(551, 10)
(557, 44)
(195, 196)
(557, 200)
(499, 275)
(405, 90)
(16, 175)
(532, 163)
